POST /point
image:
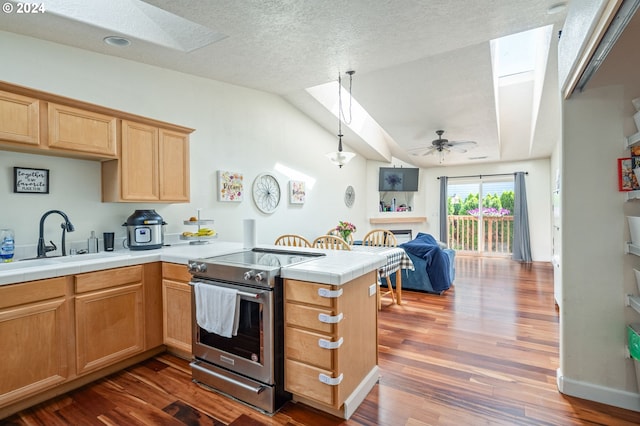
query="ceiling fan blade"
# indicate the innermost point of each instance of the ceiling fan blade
(458, 143)
(457, 149)
(421, 152)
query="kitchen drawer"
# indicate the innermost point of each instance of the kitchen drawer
(304, 292)
(307, 317)
(175, 271)
(32, 291)
(109, 278)
(303, 379)
(305, 346)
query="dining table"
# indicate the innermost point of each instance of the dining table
(397, 260)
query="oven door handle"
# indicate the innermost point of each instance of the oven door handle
(240, 293)
(255, 389)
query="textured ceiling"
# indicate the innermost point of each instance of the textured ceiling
(420, 65)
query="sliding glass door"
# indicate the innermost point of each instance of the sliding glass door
(480, 215)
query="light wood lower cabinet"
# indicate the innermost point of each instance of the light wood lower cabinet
(34, 334)
(176, 299)
(109, 317)
(330, 338)
(81, 131)
(61, 333)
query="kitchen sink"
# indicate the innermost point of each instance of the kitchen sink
(57, 260)
(89, 256)
(28, 263)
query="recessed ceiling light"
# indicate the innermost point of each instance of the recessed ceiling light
(556, 8)
(117, 41)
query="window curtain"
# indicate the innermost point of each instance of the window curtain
(521, 240)
(444, 211)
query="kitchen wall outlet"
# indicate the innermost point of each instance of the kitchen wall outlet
(372, 289)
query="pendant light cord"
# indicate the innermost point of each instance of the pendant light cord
(341, 116)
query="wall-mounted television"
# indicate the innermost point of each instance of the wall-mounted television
(398, 179)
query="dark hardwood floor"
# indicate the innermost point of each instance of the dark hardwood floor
(484, 353)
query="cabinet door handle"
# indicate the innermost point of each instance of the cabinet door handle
(330, 294)
(328, 344)
(330, 380)
(330, 319)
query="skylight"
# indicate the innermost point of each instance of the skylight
(519, 69)
(521, 53)
(362, 124)
(137, 19)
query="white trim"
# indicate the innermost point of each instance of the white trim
(597, 393)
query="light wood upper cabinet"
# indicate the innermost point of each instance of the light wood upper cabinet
(34, 318)
(143, 160)
(153, 166)
(174, 165)
(139, 162)
(19, 119)
(81, 131)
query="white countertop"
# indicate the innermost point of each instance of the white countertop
(337, 267)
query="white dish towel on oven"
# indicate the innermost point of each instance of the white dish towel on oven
(217, 309)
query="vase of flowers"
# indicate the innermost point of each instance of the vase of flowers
(345, 229)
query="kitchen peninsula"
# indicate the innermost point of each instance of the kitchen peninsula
(52, 314)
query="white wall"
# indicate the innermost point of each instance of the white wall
(237, 129)
(596, 274)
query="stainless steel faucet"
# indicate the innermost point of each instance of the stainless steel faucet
(66, 227)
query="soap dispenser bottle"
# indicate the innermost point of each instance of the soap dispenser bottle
(93, 243)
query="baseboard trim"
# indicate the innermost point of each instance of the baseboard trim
(597, 393)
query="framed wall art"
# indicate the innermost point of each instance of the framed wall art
(297, 192)
(627, 178)
(230, 186)
(31, 181)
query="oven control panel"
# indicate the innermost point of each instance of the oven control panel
(256, 276)
(195, 267)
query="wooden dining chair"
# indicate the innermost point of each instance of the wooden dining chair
(334, 231)
(292, 240)
(382, 238)
(331, 242)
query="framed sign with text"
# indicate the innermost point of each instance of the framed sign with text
(34, 181)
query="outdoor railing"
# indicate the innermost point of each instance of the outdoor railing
(498, 233)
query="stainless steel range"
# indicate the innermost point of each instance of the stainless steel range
(249, 365)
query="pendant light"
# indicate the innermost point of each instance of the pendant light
(340, 157)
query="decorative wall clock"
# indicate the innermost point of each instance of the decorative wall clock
(266, 192)
(349, 196)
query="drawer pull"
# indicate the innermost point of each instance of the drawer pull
(330, 294)
(330, 380)
(328, 344)
(330, 319)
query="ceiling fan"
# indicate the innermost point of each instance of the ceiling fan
(442, 146)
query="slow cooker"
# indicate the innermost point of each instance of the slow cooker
(144, 230)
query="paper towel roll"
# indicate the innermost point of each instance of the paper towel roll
(250, 237)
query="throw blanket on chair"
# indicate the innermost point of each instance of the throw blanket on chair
(438, 266)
